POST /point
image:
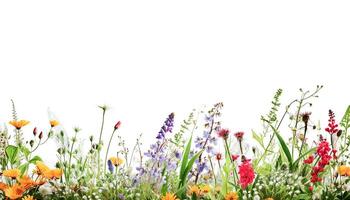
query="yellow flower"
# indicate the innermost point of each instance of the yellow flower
(19, 124)
(53, 173)
(11, 173)
(342, 170)
(41, 168)
(14, 192)
(194, 190)
(231, 196)
(269, 198)
(54, 123)
(169, 196)
(205, 189)
(116, 161)
(28, 197)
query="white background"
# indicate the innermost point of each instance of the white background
(149, 58)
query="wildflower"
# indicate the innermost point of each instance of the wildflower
(3, 186)
(342, 170)
(40, 135)
(14, 192)
(167, 127)
(246, 174)
(217, 189)
(305, 117)
(54, 123)
(239, 136)
(116, 161)
(223, 133)
(231, 196)
(169, 196)
(110, 166)
(234, 157)
(332, 126)
(11, 173)
(311, 188)
(205, 189)
(28, 197)
(41, 168)
(18, 124)
(117, 125)
(218, 156)
(323, 150)
(194, 190)
(309, 160)
(53, 173)
(269, 198)
(26, 182)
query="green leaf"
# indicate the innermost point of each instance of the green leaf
(11, 153)
(23, 168)
(35, 159)
(284, 147)
(259, 139)
(25, 151)
(185, 159)
(189, 167)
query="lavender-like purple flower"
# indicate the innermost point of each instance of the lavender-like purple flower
(167, 126)
(110, 166)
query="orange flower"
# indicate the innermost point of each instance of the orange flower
(53, 174)
(169, 196)
(205, 189)
(28, 197)
(348, 171)
(342, 170)
(14, 192)
(26, 182)
(54, 123)
(19, 124)
(194, 190)
(231, 196)
(11, 173)
(3, 186)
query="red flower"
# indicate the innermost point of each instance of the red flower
(117, 125)
(234, 157)
(239, 136)
(311, 188)
(309, 160)
(332, 126)
(334, 151)
(218, 156)
(246, 174)
(323, 151)
(223, 133)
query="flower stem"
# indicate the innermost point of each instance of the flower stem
(100, 143)
(109, 144)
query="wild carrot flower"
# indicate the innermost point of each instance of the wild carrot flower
(18, 124)
(11, 173)
(54, 123)
(246, 173)
(169, 196)
(231, 196)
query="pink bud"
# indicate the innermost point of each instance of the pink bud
(117, 125)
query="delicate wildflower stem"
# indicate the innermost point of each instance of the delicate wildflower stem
(71, 154)
(212, 169)
(100, 141)
(109, 144)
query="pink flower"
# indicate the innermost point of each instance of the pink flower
(246, 173)
(239, 135)
(223, 133)
(234, 157)
(309, 160)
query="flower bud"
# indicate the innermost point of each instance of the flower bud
(35, 131)
(31, 143)
(117, 125)
(41, 135)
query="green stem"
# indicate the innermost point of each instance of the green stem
(100, 143)
(109, 144)
(70, 156)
